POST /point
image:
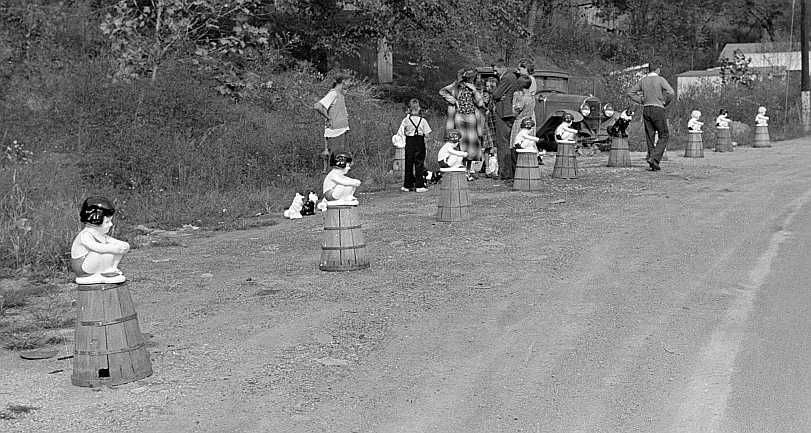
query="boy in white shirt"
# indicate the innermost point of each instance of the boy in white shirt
(414, 128)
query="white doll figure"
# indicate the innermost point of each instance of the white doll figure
(564, 131)
(526, 139)
(492, 163)
(94, 255)
(449, 155)
(722, 121)
(313, 197)
(294, 211)
(761, 119)
(694, 124)
(339, 187)
(322, 205)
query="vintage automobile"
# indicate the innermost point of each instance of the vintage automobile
(553, 100)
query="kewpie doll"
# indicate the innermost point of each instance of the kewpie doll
(564, 131)
(450, 155)
(761, 119)
(338, 186)
(94, 255)
(722, 121)
(526, 139)
(694, 124)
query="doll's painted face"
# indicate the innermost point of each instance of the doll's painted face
(107, 224)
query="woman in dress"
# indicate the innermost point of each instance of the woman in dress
(523, 105)
(465, 104)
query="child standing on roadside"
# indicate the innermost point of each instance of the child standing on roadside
(415, 129)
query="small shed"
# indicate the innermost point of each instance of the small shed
(689, 79)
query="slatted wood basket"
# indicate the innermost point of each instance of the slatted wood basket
(724, 140)
(454, 202)
(762, 138)
(695, 145)
(620, 153)
(565, 161)
(109, 348)
(398, 166)
(343, 247)
(527, 171)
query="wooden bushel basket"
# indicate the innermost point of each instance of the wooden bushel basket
(762, 138)
(565, 161)
(398, 166)
(695, 145)
(527, 171)
(109, 348)
(344, 248)
(454, 203)
(724, 140)
(620, 153)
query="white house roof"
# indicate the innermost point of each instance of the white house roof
(712, 72)
(758, 47)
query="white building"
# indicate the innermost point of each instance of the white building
(689, 79)
(779, 55)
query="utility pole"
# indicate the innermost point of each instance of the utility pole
(805, 85)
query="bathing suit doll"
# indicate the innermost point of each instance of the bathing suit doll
(761, 119)
(694, 124)
(94, 255)
(337, 185)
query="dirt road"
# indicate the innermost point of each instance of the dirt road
(673, 301)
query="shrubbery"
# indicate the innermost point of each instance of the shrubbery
(174, 152)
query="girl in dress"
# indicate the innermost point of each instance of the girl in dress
(523, 105)
(465, 104)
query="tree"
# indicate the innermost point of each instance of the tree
(144, 33)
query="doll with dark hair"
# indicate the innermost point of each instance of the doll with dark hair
(339, 187)
(94, 254)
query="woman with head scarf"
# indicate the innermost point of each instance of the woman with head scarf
(465, 104)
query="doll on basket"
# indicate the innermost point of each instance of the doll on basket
(564, 131)
(694, 125)
(339, 187)
(722, 121)
(94, 254)
(450, 155)
(761, 119)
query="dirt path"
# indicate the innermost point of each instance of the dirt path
(590, 315)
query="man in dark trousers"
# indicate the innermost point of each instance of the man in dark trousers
(504, 117)
(654, 93)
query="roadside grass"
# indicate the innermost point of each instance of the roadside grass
(32, 314)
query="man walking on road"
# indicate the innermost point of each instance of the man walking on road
(654, 93)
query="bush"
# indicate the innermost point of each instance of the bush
(174, 152)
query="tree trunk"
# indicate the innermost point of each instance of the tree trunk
(157, 45)
(532, 18)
